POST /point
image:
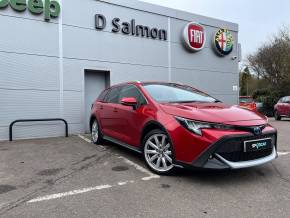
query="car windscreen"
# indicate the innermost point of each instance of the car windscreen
(246, 100)
(173, 93)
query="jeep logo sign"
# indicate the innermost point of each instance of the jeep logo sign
(50, 8)
(194, 36)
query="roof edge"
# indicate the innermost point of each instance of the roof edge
(173, 13)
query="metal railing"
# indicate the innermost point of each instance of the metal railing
(36, 120)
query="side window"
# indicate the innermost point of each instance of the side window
(103, 95)
(132, 91)
(113, 96)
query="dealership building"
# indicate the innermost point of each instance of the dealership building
(56, 57)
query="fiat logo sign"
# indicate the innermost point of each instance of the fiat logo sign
(194, 36)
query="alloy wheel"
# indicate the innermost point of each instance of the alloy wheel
(95, 132)
(158, 153)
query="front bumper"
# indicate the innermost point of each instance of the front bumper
(227, 153)
(249, 163)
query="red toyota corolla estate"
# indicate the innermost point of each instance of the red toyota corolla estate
(175, 125)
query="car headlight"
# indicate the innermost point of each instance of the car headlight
(197, 126)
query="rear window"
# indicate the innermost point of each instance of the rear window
(103, 95)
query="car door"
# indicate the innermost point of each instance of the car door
(279, 106)
(101, 102)
(108, 116)
(131, 120)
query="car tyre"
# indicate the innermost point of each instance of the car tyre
(158, 152)
(96, 134)
(277, 116)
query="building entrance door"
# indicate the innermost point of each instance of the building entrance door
(95, 82)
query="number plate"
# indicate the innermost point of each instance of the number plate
(257, 145)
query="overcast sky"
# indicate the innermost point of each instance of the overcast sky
(257, 19)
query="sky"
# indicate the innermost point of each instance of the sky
(258, 19)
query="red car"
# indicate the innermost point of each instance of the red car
(248, 103)
(282, 108)
(175, 125)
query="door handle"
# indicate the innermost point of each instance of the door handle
(101, 107)
(115, 110)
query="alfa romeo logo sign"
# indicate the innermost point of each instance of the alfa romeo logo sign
(223, 42)
(194, 36)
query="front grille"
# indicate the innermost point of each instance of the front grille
(242, 156)
(233, 149)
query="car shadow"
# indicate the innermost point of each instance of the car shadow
(206, 176)
(224, 177)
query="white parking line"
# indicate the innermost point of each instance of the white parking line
(283, 153)
(141, 169)
(79, 191)
(107, 186)
(85, 139)
(90, 141)
(125, 182)
(100, 187)
(136, 166)
(74, 192)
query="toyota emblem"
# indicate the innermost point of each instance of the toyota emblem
(257, 131)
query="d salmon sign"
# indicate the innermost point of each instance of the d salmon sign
(194, 36)
(223, 42)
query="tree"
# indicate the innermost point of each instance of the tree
(245, 76)
(272, 62)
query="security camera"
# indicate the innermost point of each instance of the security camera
(234, 57)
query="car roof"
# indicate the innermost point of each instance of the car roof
(147, 83)
(124, 83)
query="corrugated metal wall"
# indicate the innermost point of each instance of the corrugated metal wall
(43, 77)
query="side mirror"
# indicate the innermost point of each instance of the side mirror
(130, 101)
